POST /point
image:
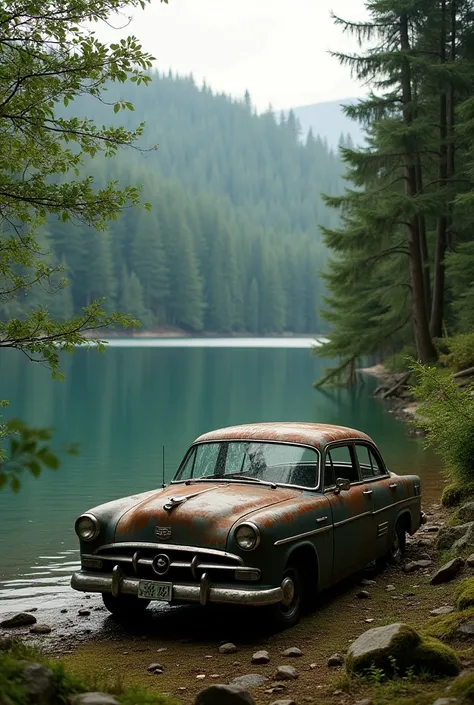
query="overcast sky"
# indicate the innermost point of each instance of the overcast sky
(278, 49)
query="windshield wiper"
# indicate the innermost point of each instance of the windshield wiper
(238, 476)
(231, 478)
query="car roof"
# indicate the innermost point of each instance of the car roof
(316, 435)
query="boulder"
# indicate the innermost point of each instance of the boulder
(286, 673)
(417, 565)
(447, 572)
(93, 699)
(38, 684)
(470, 561)
(250, 680)
(449, 535)
(40, 629)
(466, 513)
(398, 646)
(224, 695)
(22, 619)
(466, 629)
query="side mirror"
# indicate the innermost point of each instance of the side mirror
(342, 485)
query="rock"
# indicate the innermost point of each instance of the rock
(224, 695)
(363, 595)
(450, 536)
(390, 588)
(466, 629)
(279, 688)
(63, 611)
(40, 629)
(261, 657)
(335, 660)
(84, 613)
(163, 648)
(292, 652)
(38, 684)
(445, 701)
(286, 673)
(283, 702)
(447, 572)
(466, 513)
(22, 619)
(442, 610)
(431, 528)
(250, 680)
(366, 701)
(201, 677)
(470, 561)
(368, 583)
(154, 667)
(416, 565)
(228, 648)
(313, 666)
(401, 646)
(93, 699)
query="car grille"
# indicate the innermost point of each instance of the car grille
(171, 563)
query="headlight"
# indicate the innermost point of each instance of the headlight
(87, 527)
(247, 536)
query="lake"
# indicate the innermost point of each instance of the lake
(121, 407)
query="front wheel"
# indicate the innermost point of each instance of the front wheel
(287, 613)
(124, 606)
(398, 545)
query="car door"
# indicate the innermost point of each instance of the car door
(351, 510)
(385, 493)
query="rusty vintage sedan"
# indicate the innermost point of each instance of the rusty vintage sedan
(261, 515)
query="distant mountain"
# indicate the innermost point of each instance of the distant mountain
(329, 121)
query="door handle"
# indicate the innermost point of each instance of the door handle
(394, 485)
(321, 519)
(367, 493)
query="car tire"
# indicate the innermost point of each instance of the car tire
(287, 613)
(124, 606)
(398, 544)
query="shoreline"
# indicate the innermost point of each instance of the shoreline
(181, 333)
(402, 403)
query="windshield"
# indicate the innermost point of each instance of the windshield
(268, 462)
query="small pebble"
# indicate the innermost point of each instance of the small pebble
(363, 595)
(261, 657)
(292, 652)
(286, 673)
(201, 677)
(83, 613)
(228, 648)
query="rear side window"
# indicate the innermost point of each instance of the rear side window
(340, 458)
(370, 467)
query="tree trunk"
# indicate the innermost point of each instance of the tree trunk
(423, 240)
(424, 344)
(437, 308)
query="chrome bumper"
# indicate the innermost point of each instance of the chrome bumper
(204, 593)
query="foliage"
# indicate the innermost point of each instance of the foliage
(407, 210)
(50, 56)
(400, 361)
(446, 412)
(460, 352)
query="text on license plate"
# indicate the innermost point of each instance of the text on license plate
(152, 590)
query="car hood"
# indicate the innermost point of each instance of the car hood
(196, 515)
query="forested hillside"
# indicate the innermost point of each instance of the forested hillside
(330, 121)
(232, 240)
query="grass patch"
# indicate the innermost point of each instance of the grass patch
(445, 626)
(464, 594)
(66, 684)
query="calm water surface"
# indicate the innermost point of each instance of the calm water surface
(123, 406)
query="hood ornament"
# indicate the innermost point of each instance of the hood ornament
(174, 502)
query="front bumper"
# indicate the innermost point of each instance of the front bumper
(204, 593)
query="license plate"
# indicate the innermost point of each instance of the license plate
(152, 590)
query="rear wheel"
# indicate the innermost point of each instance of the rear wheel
(398, 545)
(124, 606)
(287, 613)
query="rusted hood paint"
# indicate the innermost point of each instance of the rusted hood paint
(204, 518)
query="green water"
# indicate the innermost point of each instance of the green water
(123, 406)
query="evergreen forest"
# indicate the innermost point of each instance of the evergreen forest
(401, 272)
(231, 242)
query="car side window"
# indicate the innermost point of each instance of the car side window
(341, 460)
(370, 467)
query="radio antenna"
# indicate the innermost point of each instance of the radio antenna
(163, 466)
